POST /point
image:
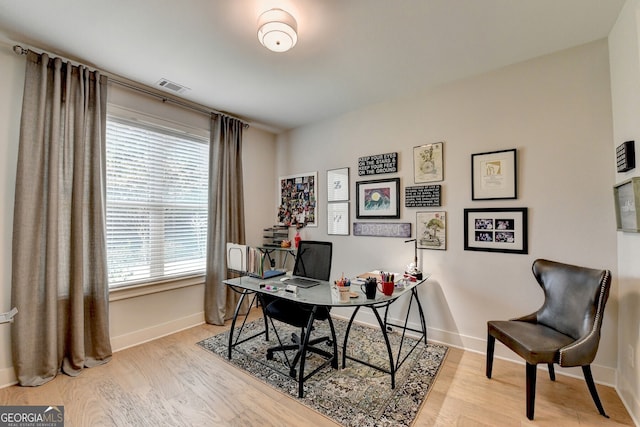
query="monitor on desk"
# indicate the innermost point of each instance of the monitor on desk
(313, 263)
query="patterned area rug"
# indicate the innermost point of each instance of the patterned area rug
(355, 396)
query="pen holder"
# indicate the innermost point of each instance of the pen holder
(387, 288)
(343, 292)
(369, 288)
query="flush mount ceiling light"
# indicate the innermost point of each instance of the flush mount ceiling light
(277, 30)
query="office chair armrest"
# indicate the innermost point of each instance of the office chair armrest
(580, 352)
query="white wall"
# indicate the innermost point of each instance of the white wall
(624, 47)
(138, 319)
(556, 111)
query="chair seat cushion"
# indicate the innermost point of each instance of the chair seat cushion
(535, 343)
(293, 313)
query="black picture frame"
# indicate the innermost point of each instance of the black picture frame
(494, 175)
(496, 230)
(378, 199)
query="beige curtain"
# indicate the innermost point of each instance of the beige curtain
(59, 275)
(226, 214)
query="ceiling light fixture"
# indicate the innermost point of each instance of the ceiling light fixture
(277, 30)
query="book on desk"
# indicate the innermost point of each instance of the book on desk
(249, 261)
(377, 274)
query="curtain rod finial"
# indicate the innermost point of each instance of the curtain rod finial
(19, 50)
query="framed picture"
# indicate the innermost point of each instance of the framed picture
(378, 198)
(428, 163)
(431, 230)
(338, 218)
(297, 202)
(494, 175)
(496, 230)
(627, 199)
(338, 185)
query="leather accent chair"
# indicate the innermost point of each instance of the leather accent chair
(565, 330)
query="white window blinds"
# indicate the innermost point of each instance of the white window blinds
(156, 202)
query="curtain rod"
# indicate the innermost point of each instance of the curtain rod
(19, 50)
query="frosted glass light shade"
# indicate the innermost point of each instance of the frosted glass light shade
(277, 30)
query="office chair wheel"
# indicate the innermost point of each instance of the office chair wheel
(293, 373)
(269, 355)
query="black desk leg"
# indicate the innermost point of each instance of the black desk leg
(423, 323)
(303, 351)
(386, 340)
(264, 316)
(233, 322)
(346, 337)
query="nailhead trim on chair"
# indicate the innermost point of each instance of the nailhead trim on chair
(595, 323)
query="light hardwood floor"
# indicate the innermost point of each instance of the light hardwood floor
(173, 382)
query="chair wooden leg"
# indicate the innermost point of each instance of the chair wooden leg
(552, 372)
(491, 344)
(586, 370)
(531, 389)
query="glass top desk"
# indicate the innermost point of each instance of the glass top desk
(322, 295)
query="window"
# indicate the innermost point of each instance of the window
(156, 202)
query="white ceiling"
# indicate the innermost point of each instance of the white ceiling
(350, 53)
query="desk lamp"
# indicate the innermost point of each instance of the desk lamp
(412, 268)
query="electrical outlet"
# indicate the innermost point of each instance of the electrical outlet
(632, 359)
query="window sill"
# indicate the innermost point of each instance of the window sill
(133, 291)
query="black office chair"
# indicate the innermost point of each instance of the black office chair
(565, 330)
(313, 260)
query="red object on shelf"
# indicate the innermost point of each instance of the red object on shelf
(297, 239)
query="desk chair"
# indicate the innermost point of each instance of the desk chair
(313, 260)
(565, 330)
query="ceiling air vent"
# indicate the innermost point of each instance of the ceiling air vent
(171, 86)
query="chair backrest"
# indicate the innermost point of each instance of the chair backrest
(574, 303)
(313, 260)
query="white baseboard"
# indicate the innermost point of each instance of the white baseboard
(142, 336)
(8, 377)
(629, 400)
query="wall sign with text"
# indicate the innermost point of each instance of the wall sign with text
(377, 164)
(422, 196)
